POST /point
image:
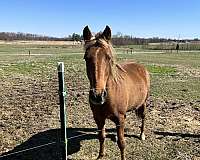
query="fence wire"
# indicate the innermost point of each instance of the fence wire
(28, 149)
(44, 145)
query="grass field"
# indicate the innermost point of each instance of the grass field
(29, 112)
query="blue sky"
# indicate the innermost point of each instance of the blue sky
(140, 18)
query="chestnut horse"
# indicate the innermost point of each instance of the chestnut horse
(114, 88)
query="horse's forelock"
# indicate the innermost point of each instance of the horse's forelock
(110, 51)
(98, 38)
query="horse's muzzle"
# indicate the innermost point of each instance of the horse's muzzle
(97, 98)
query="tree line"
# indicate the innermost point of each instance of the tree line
(10, 36)
(118, 39)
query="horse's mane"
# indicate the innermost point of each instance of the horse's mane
(99, 40)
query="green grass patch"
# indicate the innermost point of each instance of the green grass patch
(23, 68)
(161, 69)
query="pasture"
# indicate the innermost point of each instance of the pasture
(29, 112)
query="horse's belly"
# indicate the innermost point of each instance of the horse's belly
(136, 98)
(135, 104)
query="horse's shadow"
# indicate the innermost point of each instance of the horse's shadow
(177, 135)
(53, 150)
(75, 136)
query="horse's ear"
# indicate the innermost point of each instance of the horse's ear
(87, 35)
(107, 33)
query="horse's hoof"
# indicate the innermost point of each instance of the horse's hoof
(142, 137)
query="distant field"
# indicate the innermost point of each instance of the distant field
(35, 48)
(29, 112)
(39, 42)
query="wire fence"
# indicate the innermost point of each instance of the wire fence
(28, 149)
(58, 141)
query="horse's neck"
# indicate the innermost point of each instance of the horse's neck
(116, 77)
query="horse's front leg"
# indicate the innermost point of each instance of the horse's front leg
(120, 124)
(101, 135)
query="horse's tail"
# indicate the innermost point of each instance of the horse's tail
(140, 111)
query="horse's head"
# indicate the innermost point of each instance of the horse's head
(98, 57)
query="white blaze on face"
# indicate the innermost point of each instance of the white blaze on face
(100, 69)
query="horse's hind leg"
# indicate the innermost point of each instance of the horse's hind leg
(142, 135)
(141, 112)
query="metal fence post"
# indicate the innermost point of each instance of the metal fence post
(62, 95)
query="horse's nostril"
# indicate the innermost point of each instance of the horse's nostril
(104, 93)
(93, 93)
